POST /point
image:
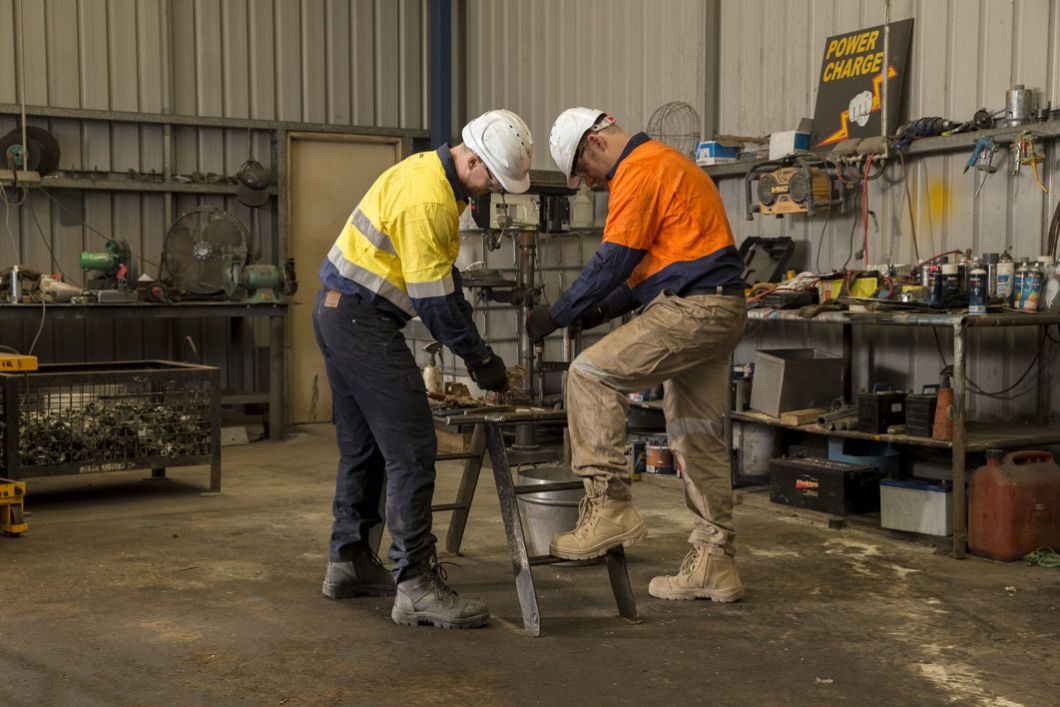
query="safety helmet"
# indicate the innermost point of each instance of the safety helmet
(502, 140)
(567, 132)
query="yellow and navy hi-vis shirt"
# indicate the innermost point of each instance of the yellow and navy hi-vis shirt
(398, 248)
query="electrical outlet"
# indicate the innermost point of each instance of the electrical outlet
(7, 177)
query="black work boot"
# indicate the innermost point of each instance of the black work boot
(363, 576)
(427, 599)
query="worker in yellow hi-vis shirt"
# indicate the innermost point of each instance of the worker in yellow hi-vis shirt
(393, 261)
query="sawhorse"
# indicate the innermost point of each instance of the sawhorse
(488, 437)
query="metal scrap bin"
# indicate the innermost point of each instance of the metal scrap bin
(81, 418)
(795, 379)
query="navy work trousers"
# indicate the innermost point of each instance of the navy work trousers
(385, 432)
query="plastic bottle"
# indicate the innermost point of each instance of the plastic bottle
(581, 213)
(977, 290)
(1050, 301)
(1006, 271)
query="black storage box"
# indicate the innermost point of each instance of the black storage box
(824, 485)
(880, 409)
(920, 411)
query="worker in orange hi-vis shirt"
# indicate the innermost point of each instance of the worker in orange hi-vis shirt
(668, 248)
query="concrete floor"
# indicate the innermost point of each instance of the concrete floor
(130, 592)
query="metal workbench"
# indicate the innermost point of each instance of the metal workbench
(236, 311)
(967, 437)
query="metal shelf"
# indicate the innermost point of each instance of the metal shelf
(981, 435)
(135, 185)
(968, 436)
(926, 146)
(1000, 319)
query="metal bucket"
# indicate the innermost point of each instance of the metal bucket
(549, 513)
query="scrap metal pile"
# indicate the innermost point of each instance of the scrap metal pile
(115, 429)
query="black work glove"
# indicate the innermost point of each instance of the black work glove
(592, 318)
(539, 324)
(490, 373)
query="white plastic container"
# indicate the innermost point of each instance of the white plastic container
(916, 507)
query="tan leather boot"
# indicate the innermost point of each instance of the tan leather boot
(706, 573)
(603, 523)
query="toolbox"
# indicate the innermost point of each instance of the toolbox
(824, 485)
(920, 411)
(880, 409)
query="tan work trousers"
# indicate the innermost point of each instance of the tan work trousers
(686, 344)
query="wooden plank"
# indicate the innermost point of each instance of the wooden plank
(802, 417)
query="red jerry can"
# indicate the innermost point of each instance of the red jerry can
(1014, 505)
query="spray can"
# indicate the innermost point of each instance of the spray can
(1017, 284)
(990, 261)
(1006, 271)
(951, 279)
(935, 285)
(1032, 287)
(977, 290)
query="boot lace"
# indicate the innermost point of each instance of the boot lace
(587, 508)
(436, 577)
(690, 561)
(373, 558)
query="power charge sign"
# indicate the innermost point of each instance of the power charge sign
(850, 87)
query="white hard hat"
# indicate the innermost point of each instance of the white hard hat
(567, 132)
(503, 141)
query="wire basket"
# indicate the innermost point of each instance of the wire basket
(676, 124)
(94, 417)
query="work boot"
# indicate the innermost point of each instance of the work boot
(706, 573)
(427, 599)
(364, 576)
(603, 523)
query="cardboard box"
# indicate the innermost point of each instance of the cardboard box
(717, 152)
(795, 379)
(784, 143)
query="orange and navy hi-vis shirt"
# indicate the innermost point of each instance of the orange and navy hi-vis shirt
(666, 230)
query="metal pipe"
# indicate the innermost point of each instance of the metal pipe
(22, 88)
(167, 108)
(960, 440)
(886, 65)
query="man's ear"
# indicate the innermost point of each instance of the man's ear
(472, 160)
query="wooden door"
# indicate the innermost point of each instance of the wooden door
(327, 176)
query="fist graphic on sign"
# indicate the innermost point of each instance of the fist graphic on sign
(859, 108)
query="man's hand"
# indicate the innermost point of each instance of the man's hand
(490, 373)
(539, 324)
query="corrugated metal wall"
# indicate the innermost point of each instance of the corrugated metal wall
(341, 62)
(964, 56)
(539, 57)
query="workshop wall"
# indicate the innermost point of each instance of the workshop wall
(627, 57)
(358, 62)
(964, 56)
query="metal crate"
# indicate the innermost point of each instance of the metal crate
(81, 418)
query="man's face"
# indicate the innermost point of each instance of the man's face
(479, 179)
(589, 163)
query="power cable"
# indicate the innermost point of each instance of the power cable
(89, 227)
